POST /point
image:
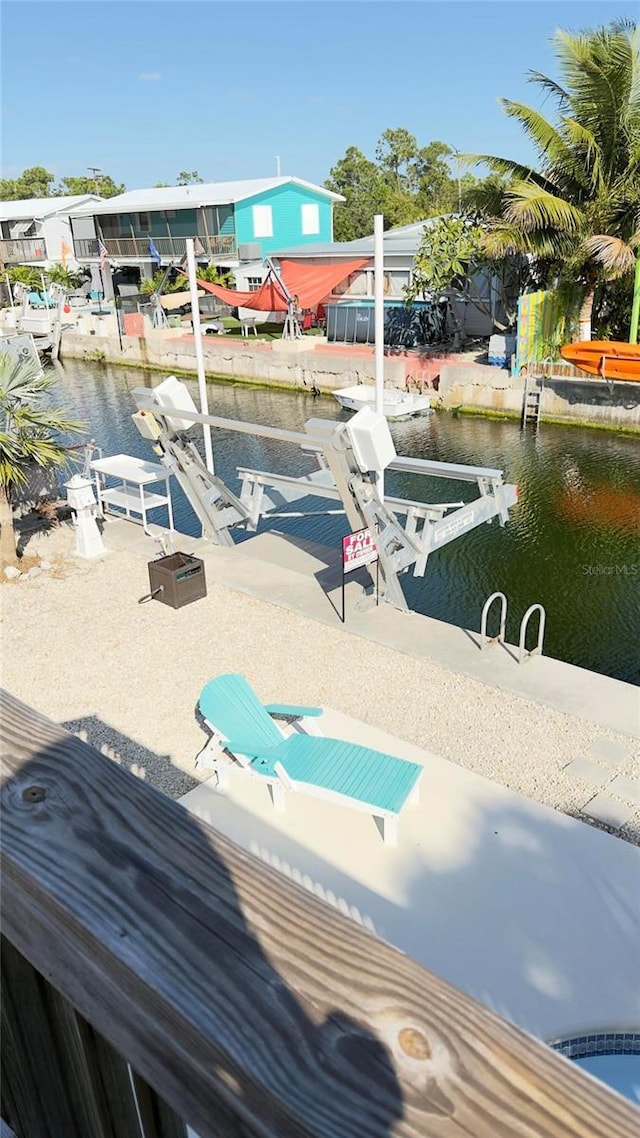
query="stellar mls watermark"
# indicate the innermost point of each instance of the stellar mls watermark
(601, 570)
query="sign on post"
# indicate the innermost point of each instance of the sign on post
(358, 548)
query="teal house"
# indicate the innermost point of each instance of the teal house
(234, 222)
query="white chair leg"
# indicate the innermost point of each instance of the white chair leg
(222, 780)
(309, 726)
(208, 756)
(276, 790)
(390, 831)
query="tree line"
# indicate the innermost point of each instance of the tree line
(36, 182)
(405, 182)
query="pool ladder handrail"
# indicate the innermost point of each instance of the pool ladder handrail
(503, 620)
(500, 638)
(537, 651)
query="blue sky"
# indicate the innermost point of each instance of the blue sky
(146, 88)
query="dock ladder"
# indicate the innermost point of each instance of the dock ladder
(523, 655)
(532, 400)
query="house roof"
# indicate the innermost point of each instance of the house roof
(404, 240)
(44, 207)
(205, 193)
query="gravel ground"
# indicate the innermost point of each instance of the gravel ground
(126, 676)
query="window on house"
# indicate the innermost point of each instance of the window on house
(262, 221)
(143, 220)
(253, 283)
(310, 219)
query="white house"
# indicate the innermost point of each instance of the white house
(234, 222)
(37, 231)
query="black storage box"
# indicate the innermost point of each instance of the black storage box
(177, 579)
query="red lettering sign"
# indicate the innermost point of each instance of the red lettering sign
(358, 549)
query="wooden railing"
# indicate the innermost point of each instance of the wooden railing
(16, 252)
(170, 248)
(255, 1009)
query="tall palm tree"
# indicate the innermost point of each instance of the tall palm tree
(581, 207)
(29, 429)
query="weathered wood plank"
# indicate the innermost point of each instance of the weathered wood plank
(158, 1120)
(62, 1078)
(111, 1086)
(38, 1103)
(249, 1005)
(74, 1042)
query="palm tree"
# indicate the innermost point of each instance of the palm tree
(29, 427)
(580, 209)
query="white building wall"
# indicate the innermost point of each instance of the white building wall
(56, 230)
(253, 270)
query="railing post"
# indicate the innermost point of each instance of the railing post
(503, 620)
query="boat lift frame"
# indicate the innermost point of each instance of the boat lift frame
(338, 477)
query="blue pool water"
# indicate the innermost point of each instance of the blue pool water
(621, 1072)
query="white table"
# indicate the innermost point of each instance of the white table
(131, 495)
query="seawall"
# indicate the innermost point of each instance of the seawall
(457, 382)
(588, 402)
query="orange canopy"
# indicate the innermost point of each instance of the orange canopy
(309, 284)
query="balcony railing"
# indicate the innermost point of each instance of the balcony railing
(17, 251)
(169, 248)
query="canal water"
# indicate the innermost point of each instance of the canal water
(573, 541)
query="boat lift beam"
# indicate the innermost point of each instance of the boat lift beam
(401, 545)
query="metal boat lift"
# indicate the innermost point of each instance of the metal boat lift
(406, 532)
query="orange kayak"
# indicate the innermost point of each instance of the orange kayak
(605, 358)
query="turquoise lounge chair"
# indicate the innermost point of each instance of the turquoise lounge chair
(332, 769)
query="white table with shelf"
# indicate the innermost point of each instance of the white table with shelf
(131, 495)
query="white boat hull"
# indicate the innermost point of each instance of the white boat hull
(396, 404)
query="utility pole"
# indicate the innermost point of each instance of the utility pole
(458, 165)
(95, 170)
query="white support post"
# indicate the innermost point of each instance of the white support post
(82, 501)
(197, 337)
(378, 267)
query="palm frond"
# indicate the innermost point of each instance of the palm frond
(533, 208)
(503, 240)
(545, 136)
(601, 72)
(584, 141)
(28, 417)
(507, 166)
(551, 88)
(615, 256)
(30, 429)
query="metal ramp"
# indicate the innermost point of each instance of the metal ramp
(402, 544)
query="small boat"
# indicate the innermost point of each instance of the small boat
(608, 359)
(396, 404)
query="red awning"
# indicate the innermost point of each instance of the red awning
(313, 283)
(268, 298)
(308, 283)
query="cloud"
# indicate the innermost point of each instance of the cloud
(150, 76)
